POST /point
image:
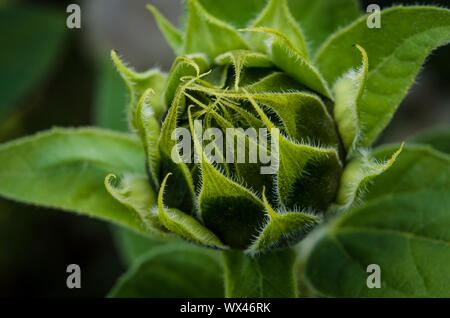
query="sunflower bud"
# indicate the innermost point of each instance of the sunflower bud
(240, 143)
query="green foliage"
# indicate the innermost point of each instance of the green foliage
(173, 36)
(175, 270)
(282, 227)
(208, 35)
(65, 169)
(321, 18)
(358, 173)
(396, 51)
(277, 16)
(229, 208)
(402, 226)
(183, 67)
(132, 245)
(109, 112)
(236, 12)
(110, 97)
(184, 224)
(241, 59)
(265, 276)
(293, 62)
(348, 91)
(289, 67)
(137, 84)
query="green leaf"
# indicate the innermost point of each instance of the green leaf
(206, 34)
(65, 169)
(282, 228)
(137, 84)
(285, 56)
(438, 138)
(236, 12)
(132, 245)
(173, 36)
(320, 18)
(135, 192)
(348, 91)
(185, 225)
(277, 16)
(148, 129)
(263, 276)
(110, 98)
(176, 270)
(394, 64)
(357, 175)
(32, 38)
(402, 227)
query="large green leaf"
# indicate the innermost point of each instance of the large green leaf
(66, 169)
(396, 51)
(208, 35)
(176, 270)
(266, 275)
(31, 39)
(403, 227)
(320, 18)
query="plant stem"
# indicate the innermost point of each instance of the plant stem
(268, 275)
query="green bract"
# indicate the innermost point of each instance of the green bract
(317, 96)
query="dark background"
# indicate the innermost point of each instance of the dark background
(37, 244)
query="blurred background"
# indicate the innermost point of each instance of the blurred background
(54, 76)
